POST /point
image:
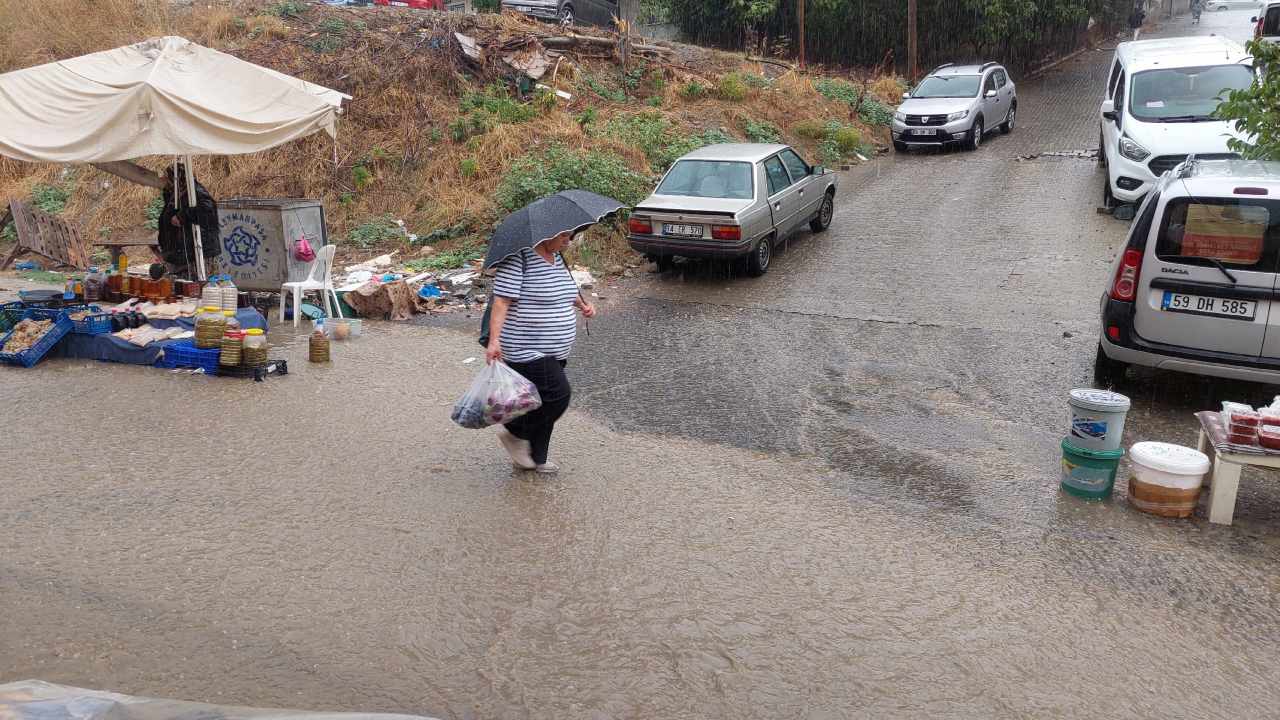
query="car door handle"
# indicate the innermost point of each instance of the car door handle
(777, 206)
(801, 192)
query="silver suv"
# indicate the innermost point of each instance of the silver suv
(956, 104)
(1194, 287)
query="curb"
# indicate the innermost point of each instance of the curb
(1046, 68)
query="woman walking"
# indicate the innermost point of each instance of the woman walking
(532, 327)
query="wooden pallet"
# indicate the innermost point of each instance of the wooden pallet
(46, 235)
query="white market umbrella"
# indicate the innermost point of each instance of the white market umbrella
(163, 96)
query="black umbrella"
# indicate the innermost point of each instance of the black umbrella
(543, 219)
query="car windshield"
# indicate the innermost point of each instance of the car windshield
(725, 179)
(949, 86)
(1185, 94)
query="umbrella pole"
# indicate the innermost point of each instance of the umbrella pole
(191, 203)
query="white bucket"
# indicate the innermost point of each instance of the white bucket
(1097, 419)
(1166, 478)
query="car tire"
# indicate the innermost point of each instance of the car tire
(1006, 127)
(760, 258)
(825, 212)
(1108, 373)
(566, 14)
(899, 146)
(1102, 151)
(974, 141)
(1108, 200)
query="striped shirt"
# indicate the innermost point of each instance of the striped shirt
(541, 321)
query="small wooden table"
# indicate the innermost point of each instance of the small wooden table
(115, 245)
(1227, 465)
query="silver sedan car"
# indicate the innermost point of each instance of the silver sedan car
(732, 201)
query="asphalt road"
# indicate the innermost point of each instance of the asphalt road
(828, 492)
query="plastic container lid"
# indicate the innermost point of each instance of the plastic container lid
(1170, 458)
(1100, 400)
(229, 313)
(253, 331)
(1092, 454)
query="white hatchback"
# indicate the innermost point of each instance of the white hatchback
(1195, 287)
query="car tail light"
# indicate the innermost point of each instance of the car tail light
(726, 232)
(1125, 286)
(1257, 29)
(1113, 332)
(640, 226)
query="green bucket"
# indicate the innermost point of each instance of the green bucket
(1089, 473)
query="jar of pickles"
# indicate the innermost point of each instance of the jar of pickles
(211, 324)
(232, 348)
(255, 348)
(232, 322)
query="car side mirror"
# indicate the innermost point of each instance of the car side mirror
(1253, 19)
(991, 93)
(1109, 110)
(817, 170)
(906, 96)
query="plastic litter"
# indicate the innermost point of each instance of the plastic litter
(429, 291)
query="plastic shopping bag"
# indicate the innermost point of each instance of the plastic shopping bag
(302, 251)
(497, 395)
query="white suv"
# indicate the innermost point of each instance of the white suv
(1194, 288)
(1158, 109)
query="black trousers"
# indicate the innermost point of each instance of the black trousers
(547, 374)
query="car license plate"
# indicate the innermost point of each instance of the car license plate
(526, 9)
(924, 131)
(1212, 306)
(682, 230)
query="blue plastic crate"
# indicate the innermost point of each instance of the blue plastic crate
(185, 354)
(33, 354)
(95, 323)
(10, 313)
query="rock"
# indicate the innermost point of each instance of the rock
(628, 273)
(1068, 334)
(651, 267)
(425, 251)
(584, 278)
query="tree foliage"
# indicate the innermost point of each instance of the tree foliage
(1255, 111)
(1020, 33)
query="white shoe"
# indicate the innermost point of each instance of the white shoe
(547, 468)
(519, 450)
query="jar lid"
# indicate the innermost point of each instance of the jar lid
(234, 334)
(229, 313)
(254, 331)
(1101, 400)
(210, 308)
(1170, 458)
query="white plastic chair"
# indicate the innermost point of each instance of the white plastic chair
(317, 279)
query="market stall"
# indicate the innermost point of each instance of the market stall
(165, 97)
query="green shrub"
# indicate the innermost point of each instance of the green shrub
(874, 112)
(661, 142)
(732, 88)
(468, 167)
(480, 112)
(361, 176)
(288, 8)
(599, 87)
(654, 102)
(375, 231)
(447, 259)
(152, 212)
(810, 129)
(587, 116)
(544, 173)
(50, 198)
(848, 140)
(762, 132)
(870, 110)
(838, 90)
(8, 234)
(693, 90)
(758, 82)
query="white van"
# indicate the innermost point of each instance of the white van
(1158, 108)
(1195, 287)
(1267, 23)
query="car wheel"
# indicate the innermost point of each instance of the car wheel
(975, 135)
(566, 14)
(761, 255)
(1102, 151)
(1108, 373)
(1006, 127)
(899, 146)
(1108, 200)
(828, 209)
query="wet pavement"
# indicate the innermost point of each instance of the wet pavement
(828, 492)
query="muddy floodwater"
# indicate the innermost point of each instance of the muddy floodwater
(827, 493)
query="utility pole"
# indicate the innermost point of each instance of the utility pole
(912, 43)
(800, 30)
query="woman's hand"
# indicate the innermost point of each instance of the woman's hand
(588, 310)
(493, 353)
(175, 221)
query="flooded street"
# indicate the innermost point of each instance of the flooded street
(829, 492)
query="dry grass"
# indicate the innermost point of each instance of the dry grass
(394, 134)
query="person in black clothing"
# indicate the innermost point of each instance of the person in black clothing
(1136, 20)
(176, 237)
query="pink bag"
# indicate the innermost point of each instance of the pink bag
(302, 251)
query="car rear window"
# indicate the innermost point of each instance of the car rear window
(1234, 232)
(729, 180)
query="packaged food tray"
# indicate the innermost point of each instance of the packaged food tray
(32, 355)
(95, 323)
(184, 354)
